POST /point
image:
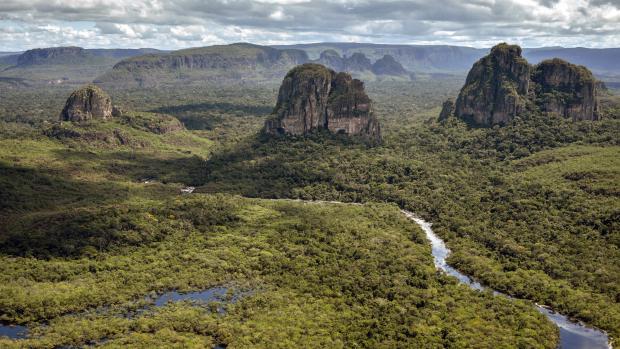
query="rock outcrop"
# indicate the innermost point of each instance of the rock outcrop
(566, 89)
(502, 85)
(313, 97)
(447, 109)
(88, 102)
(496, 87)
(388, 66)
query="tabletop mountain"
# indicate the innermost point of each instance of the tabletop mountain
(313, 97)
(53, 55)
(219, 63)
(88, 102)
(502, 85)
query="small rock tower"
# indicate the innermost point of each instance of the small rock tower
(88, 102)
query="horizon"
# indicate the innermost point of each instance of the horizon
(170, 25)
(308, 44)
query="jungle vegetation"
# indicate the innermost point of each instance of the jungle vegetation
(92, 223)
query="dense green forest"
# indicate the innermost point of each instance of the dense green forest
(92, 221)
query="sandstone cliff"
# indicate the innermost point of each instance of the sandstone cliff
(566, 89)
(313, 97)
(88, 102)
(496, 87)
(502, 85)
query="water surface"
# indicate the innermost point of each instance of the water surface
(573, 335)
(13, 331)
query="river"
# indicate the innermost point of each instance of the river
(573, 335)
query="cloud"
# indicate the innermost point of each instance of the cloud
(171, 24)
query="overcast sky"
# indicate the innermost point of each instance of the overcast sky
(172, 24)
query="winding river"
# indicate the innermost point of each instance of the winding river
(573, 335)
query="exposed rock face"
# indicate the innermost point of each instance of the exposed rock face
(566, 89)
(313, 97)
(88, 102)
(388, 66)
(349, 108)
(496, 87)
(447, 109)
(502, 84)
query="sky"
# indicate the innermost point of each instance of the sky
(174, 24)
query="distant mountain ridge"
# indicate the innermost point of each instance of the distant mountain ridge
(75, 55)
(65, 64)
(240, 62)
(250, 63)
(459, 59)
(360, 66)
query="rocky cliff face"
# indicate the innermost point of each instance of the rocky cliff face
(447, 109)
(496, 87)
(566, 89)
(313, 97)
(89, 102)
(502, 84)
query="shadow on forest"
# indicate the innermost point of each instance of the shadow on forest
(135, 166)
(273, 167)
(32, 200)
(25, 189)
(194, 118)
(238, 109)
(46, 213)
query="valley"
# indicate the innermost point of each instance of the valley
(94, 225)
